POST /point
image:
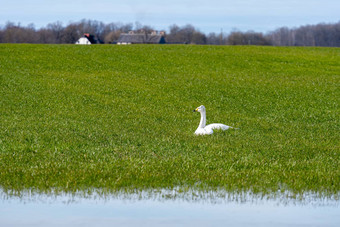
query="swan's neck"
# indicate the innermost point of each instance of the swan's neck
(203, 120)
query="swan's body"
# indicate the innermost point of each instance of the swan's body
(204, 129)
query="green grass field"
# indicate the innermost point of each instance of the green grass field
(120, 117)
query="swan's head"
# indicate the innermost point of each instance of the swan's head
(200, 109)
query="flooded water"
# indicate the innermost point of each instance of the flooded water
(166, 209)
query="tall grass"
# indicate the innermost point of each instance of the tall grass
(120, 117)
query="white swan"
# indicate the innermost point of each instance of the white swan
(204, 129)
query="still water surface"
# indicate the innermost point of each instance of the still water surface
(156, 210)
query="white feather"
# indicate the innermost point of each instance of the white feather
(204, 129)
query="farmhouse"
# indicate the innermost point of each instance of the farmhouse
(141, 38)
(88, 39)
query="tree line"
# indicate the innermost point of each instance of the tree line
(55, 33)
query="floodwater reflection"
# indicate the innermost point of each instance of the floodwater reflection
(167, 208)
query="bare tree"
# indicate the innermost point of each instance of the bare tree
(92, 27)
(217, 39)
(186, 34)
(71, 33)
(198, 38)
(17, 34)
(310, 35)
(56, 29)
(247, 38)
(112, 36)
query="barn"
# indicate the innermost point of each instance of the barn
(141, 38)
(88, 39)
(83, 41)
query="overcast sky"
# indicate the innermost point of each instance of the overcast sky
(206, 15)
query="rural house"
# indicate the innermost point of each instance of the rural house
(141, 38)
(88, 39)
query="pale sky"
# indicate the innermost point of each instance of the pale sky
(206, 15)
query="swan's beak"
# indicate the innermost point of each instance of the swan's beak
(195, 110)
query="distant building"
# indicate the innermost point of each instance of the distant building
(83, 41)
(141, 38)
(88, 39)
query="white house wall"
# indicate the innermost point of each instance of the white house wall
(83, 41)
